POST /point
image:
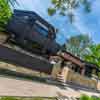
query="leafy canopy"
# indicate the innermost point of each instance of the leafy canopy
(5, 12)
(68, 7)
(78, 45)
(94, 55)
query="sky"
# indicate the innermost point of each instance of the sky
(84, 23)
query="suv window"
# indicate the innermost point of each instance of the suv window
(40, 29)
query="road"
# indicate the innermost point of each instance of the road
(17, 87)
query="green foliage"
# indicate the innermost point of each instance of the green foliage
(21, 98)
(86, 97)
(67, 7)
(5, 13)
(78, 45)
(83, 97)
(51, 11)
(8, 98)
(94, 55)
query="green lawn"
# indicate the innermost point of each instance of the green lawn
(22, 98)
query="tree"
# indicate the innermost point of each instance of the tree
(68, 7)
(5, 12)
(94, 55)
(78, 45)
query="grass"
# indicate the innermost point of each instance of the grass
(23, 98)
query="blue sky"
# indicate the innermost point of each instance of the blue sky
(84, 23)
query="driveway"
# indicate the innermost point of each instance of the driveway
(17, 87)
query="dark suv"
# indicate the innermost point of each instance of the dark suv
(29, 30)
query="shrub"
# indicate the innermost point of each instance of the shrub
(5, 13)
(86, 97)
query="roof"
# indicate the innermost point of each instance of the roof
(76, 60)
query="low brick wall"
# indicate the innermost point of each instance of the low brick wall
(76, 78)
(56, 69)
(19, 69)
(98, 85)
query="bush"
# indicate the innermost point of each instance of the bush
(86, 97)
(5, 13)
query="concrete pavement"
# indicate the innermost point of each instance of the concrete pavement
(17, 87)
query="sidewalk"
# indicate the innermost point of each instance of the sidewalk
(13, 87)
(17, 87)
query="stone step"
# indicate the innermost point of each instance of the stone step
(60, 78)
(59, 75)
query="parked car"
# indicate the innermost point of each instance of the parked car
(29, 30)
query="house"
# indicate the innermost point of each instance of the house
(75, 70)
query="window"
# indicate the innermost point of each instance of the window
(40, 29)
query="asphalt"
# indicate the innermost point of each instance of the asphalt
(18, 87)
